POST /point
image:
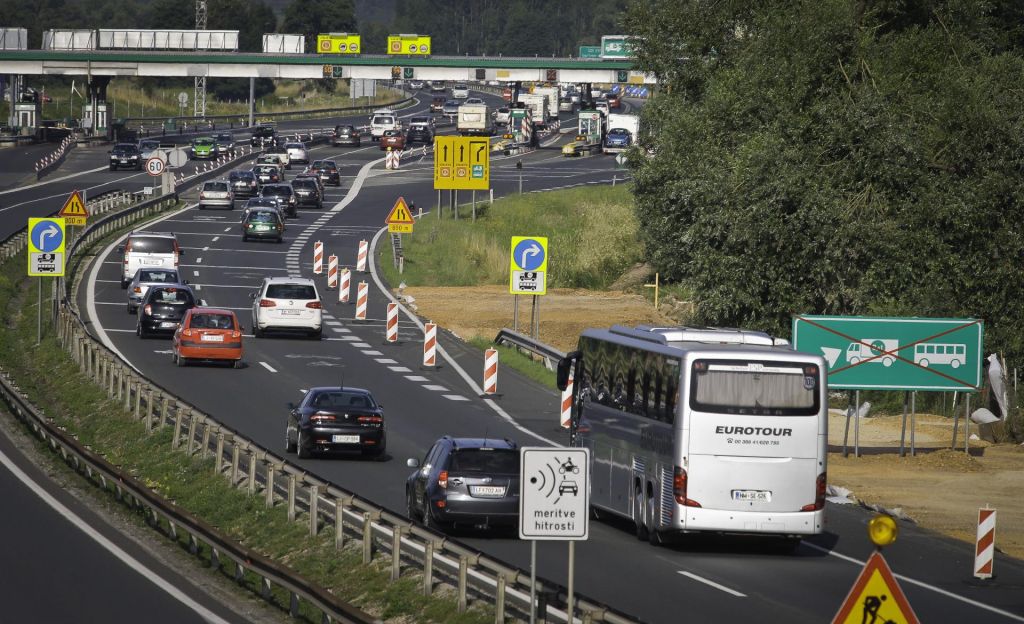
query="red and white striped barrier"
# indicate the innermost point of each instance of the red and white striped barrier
(364, 250)
(391, 334)
(392, 159)
(361, 296)
(332, 271)
(491, 371)
(318, 257)
(985, 548)
(429, 345)
(566, 412)
(346, 281)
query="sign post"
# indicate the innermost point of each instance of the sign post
(554, 504)
(46, 245)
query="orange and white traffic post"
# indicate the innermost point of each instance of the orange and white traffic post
(491, 371)
(429, 345)
(332, 271)
(318, 257)
(361, 297)
(566, 411)
(985, 547)
(346, 285)
(364, 250)
(391, 333)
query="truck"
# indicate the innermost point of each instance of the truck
(552, 94)
(539, 107)
(589, 134)
(622, 132)
(520, 129)
(473, 119)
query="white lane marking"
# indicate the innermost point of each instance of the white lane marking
(350, 339)
(400, 369)
(416, 378)
(268, 367)
(199, 260)
(344, 330)
(67, 177)
(206, 249)
(197, 286)
(115, 550)
(386, 361)
(701, 579)
(195, 273)
(215, 239)
(435, 388)
(921, 584)
(361, 345)
(454, 397)
(372, 352)
(227, 230)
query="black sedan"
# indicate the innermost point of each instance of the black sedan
(335, 418)
(327, 170)
(162, 309)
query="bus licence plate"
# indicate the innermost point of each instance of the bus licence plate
(761, 496)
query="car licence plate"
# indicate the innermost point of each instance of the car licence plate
(761, 496)
(290, 312)
(487, 490)
(148, 262)
(345, 439)
(213, 338)
(168, 324)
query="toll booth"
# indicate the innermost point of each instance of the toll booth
(26, 116)
(101, 118)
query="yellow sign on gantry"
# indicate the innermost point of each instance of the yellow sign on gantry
(462, 163)
(418, 45)
(339, 43)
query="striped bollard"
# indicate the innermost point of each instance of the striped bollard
(566, 404)
(346, 281)
(429, 345)
(332, 271)
(318, 257)
(985, 548)
(391, 334)
(364, 250)
(361, 296)
(490, 371)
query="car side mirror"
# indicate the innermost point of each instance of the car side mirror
(412, 462)
(252, 295)
(181, 252)
(120, 249)
(202, 303)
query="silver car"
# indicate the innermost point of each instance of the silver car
(297, 153)
(217, 194)
(149, 148)
(144, 278)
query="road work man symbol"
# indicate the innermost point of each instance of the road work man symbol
(871, 606)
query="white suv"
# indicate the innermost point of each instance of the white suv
(382, 120)
(148, 250)
(287, 303)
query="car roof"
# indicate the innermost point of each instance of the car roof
(153, 234)
(338, 388)
(202, 310)
(177, 285)
(305, 281)
(476, 443)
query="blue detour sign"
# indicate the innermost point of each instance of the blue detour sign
(866, 353)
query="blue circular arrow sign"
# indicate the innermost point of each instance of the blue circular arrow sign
(528, 255)
(47, 236)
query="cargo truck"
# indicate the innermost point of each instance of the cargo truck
(539, 107)
(552, 95)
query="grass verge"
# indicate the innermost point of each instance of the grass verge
(50, 380)
(523, 363)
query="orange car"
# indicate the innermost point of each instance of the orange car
(208, 334)
(393, 139)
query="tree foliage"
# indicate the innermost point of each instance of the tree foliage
(311, 17)
(838, 156)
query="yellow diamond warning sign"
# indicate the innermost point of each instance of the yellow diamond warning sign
(875, 597)
(74, 212)
(400, 218)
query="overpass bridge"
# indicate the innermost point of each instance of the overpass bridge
(304, 66)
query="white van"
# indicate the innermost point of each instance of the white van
(382, 120)
(148, 250)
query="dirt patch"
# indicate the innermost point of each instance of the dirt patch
(939, 488)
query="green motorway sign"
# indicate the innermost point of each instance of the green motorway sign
(590, 51)
(885, 353)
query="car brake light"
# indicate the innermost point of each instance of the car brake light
(148, 310)
(267, 303)
(820, 487)
(202, 195)
(137, 289)
(370, 419)
(442, 479)
(236, 334)
(313, 304)
(322, 417)
(679, 488)
(186, 332)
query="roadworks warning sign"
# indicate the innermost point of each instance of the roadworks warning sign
(876, 598)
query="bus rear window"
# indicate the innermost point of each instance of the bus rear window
(755, 388)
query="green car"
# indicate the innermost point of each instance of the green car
(203, 147)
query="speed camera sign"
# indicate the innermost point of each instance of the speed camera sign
(155, 166)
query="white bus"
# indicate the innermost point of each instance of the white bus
(928, 353)
(701, 430)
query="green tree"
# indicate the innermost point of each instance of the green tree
(311, 17)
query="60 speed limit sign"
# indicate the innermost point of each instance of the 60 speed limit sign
(155, 166)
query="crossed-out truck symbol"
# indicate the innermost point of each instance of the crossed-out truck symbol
(869, 348)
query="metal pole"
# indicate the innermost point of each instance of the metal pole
(856, 428)
(967, 422)
(913, 414)
(39, 315)
(846, 434)
(903, 428)
(455, 204)
(252, 100)
(520, 181)
(438, 203)
(474, 206)
(533, 581)
(572, 574)
(956, 421)
(536, 317)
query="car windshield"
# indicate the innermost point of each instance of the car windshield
(277, 190)
(305, 183)
(420, 120)
(151, 244)
(383, 119)
(125, 149)
(341, 399)
(295, 146)
(171, 296)
(212, 321)
(265, 169)
(485, 460)
(619, 131)
(291, 291)
(226, 138)
(263, 216)
(220, 187)
(264, 131)
(158, 277)
(240, 175)
(203, 142)
(345, 130)
(149, 145)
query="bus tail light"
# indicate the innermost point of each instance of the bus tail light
(442, 479)
(679, 488)
(819, 494)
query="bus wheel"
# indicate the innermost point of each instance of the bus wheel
(924, 363)
(640, 513)
(955, 363)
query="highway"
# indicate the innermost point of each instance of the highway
(704, 579)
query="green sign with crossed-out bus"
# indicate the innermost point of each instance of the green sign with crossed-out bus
(885, 353)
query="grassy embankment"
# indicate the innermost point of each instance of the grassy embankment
(47, 375)
(592, 240)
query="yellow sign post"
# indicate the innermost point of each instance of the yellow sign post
(462, 163)
(409, 45)
(400, 219)
(339, 43)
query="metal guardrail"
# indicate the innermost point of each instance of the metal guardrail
(247, 465)
(523, 342)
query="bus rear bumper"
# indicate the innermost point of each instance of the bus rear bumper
(792, 523)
